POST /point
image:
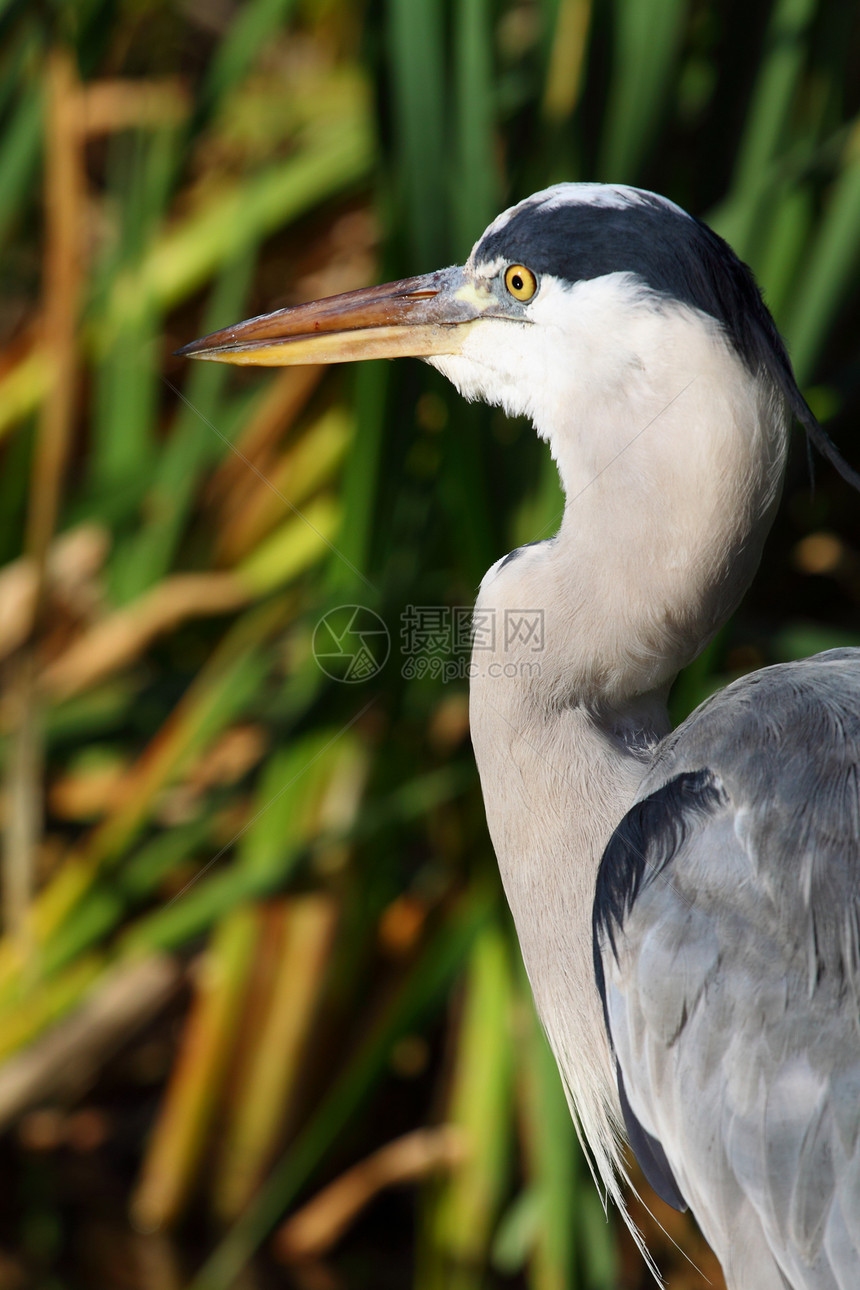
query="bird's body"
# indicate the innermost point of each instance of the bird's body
(731, 895)
(725, 857)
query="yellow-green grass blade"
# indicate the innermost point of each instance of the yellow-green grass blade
(648, 36)
(422, 992)
(179, 1136)
(750, 210)
(829, 267)
(416, 68)
(273, 1047)
(233, 673)
(464, 1206)
(186, 256)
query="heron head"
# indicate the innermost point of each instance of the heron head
(548, 301)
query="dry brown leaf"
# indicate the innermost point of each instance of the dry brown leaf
(122, 637)
(74, 562)
(311, 1231)
(110, 105)
(87, 794)
(64, 1058)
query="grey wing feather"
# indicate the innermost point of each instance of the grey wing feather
(726, 938)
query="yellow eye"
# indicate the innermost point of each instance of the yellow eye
(520, 281)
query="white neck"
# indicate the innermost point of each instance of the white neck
(671, 485)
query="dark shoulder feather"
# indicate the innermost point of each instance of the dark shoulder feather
(642, 846)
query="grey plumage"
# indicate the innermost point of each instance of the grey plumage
(733, 988)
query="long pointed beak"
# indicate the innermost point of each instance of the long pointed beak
(417, 316)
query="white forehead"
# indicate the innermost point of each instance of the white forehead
(608, 196)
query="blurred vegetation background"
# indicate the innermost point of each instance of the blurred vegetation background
(262, 1017)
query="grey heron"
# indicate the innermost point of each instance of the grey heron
(687, 903)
